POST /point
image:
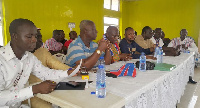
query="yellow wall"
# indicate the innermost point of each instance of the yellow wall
(170, 15)
(55, 14)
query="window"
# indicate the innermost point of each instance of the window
(111, 4)
(108, 21)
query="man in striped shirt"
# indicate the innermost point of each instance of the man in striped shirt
(84, 48)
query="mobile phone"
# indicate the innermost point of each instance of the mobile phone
(73, 84)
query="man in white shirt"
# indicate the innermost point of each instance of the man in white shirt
(156, 39)
(16, 64)
(184, 42)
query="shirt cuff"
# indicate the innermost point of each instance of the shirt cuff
(26, 93)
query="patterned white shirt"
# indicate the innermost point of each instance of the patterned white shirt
(160, 41)
(52, 44)
(188, 42)
(14, 74)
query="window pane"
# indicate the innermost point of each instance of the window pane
(107, 4)
(105, 28)
(115, 5)
(108, 20)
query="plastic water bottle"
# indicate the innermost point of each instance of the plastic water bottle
(160, 55)
(156, 51)
(142, 66)
(101, 79)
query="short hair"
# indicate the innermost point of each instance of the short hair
(145, 29)
(158, 29)
(182, 30)
(71, 32)
(15, 24)
(56, 32)
(128, 29)
(83, 23)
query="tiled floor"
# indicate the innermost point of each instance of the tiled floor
(191, 91)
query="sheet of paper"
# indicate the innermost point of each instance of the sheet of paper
(76, 70)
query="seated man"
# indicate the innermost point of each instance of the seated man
(166, 41)
(54, 44)
(169, 51)
(112, 35)
(72, 36)
(47, 60)
(63, 37)
(184, 42)
(144, 39)
(156, 39)
(128, 45)
(16, 64)
(84, 48)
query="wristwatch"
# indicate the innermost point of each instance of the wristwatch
(98, 52)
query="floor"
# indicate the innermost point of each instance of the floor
(191, 97)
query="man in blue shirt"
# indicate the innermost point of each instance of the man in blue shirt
(128, 45)
(84, 48)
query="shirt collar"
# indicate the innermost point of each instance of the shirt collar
(80, 40)
(8, 53)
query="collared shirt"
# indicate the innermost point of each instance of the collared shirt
(143, 43)
(124, 47)
(14, 74)
(77, 51)
(157, 41)
(53, 45)
(188, 42)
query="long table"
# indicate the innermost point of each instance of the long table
(150, 89)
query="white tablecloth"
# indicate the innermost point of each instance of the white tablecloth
(152, 89)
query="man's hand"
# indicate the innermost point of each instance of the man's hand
(183, 46)
(103, 45)
(125, 57)
(109, 45)
(178, 47)
(151, 57)
(152, 49)
(44, 87)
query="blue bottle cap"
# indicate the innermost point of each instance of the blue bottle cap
(93, 92)
(100, 66)
(101, 57)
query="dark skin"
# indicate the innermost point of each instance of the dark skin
(183, 34)
(148, 35)
(130, 36)
(87, 34)
(25, 40)
(158, 33)
(112, 35)
(59, 37)
(73, 35)
(39, 42)
(168, 50)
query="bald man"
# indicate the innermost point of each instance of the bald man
(112, 34)
(84, 48)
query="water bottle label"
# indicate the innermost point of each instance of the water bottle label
(102, 86)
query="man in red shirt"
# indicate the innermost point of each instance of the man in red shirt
(73, 36)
